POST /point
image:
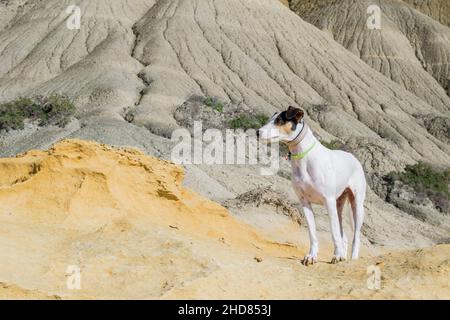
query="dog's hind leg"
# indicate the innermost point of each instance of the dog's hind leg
(357, 203)
(340, 202)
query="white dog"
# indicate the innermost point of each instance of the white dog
(320, 176)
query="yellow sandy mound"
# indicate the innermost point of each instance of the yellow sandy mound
(134, 231)
(84, 186)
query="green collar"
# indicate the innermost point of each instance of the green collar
(301, 155)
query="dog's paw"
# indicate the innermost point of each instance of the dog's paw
(309, 259)
(337, 259)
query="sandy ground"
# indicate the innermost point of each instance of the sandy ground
(136, 65)
(134, 231)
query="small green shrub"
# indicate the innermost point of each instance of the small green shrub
(52, 110)
(209, 101)
(214, 103)
(219, 107)
(425, 179)
(422, 176)
(56, 110)
(333, 144)
(246, 122)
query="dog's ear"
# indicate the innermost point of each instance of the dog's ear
(294, 114)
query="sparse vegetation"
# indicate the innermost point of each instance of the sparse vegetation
(423, 176)
(284, 150)
(52, 110)
(214, 103)
(246, 122)
(425, 179)
(219, 107)
(333, 144)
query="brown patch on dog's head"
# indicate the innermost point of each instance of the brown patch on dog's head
(288, 120)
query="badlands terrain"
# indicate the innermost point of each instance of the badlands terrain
(138, 69)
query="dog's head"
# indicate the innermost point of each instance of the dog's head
(283, 126)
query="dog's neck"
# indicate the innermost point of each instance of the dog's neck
(304, 142)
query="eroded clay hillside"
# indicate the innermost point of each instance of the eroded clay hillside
(409, 48)
(437, 9)
(152, 57)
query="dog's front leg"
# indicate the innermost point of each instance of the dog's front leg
(311, 258)
(335, 231)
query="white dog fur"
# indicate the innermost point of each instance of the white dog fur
(322, 176)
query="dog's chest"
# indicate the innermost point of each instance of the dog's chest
(306, 188)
